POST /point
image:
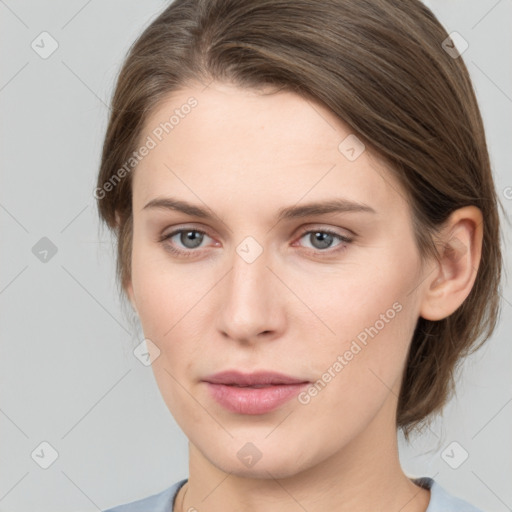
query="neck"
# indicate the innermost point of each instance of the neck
(365, 474)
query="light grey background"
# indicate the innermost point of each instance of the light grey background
(68, 375)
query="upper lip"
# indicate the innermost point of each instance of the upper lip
(234, 377)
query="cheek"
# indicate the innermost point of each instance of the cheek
(176, 394)
(166, 311)
(361, 299)
(363, 362)
(163, 292)
(170, 303)
(371, 315)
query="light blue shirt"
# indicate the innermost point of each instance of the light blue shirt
(440, 500)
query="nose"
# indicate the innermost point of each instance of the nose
(251, 296)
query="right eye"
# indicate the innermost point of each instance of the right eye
(190, 238)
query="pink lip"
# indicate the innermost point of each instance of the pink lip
(274, 389)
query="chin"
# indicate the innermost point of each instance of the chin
(272, 462)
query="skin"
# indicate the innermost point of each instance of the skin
(245, 155)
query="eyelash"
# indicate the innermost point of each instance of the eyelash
(191, 252)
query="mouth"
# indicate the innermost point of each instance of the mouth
(254, 386)
(256, 379)
(255, 393)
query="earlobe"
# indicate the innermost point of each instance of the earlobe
(452, 279)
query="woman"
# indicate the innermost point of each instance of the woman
(308, 231)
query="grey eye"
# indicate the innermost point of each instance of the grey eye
(191, 238)
(322, 239)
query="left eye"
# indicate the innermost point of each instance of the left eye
(324, 238)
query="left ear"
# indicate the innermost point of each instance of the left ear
(453, 277)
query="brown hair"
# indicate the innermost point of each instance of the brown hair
(380, 66)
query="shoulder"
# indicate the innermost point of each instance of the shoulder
(160, 502)
(441, 500)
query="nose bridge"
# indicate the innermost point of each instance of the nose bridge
(249, 299)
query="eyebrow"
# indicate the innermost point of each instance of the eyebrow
(336, 205)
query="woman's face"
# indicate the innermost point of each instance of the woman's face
(326, 297)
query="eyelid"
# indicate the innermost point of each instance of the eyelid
(351, 235)
(178, 230)
(331, 251)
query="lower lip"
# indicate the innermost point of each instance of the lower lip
(254, 400)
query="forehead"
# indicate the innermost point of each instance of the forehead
(275, 126)
(226, 142)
